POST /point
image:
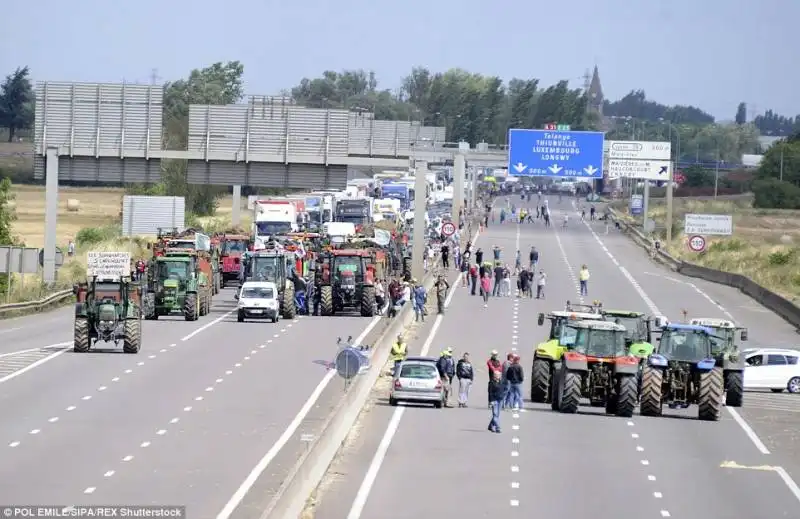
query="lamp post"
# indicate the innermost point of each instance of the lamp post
(671, 176)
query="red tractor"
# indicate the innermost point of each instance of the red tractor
(231, 248)
(348, 281)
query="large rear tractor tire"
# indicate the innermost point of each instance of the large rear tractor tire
(709, 401)
(734, 389)
(627, 396)
(288, 307)
(367, 301)
(326, 300)
(190, 307)
(81, 340)
(650, 401)
(132, 340)
(570, 393)
(540, 380)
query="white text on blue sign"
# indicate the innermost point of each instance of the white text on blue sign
(556, 146)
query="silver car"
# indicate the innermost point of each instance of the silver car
(417, 381)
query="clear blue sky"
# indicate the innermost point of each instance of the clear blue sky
(710, 53)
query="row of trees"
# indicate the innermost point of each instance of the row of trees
(16, 102)
(777, 180)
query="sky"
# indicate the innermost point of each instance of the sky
(709, 53)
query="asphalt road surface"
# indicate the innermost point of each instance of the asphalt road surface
(194, 419)
(410, 462)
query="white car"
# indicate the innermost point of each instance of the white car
(772, 368)
(258, 300)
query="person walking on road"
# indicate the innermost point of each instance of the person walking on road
(583, 275)
(399, 352)
(504, 379)
(445, 254)
(441, 286)
(533, 257)
(540, 284)
(473, 279)
(447, 370)
(420, 297)
(493, 365)
(466, 375)
(496, 392)
(486, 288)
(515, 377)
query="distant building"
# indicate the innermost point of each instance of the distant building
(765, 141)
(595, 94)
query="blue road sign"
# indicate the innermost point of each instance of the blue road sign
(546, 153)
(350, 362)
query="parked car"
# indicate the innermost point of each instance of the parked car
(417, 381)
(772, 368)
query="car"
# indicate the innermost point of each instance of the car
(772, 368)
(258, 300)
(417, 381)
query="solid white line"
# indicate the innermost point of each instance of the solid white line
(287, 435)
(787, 479)
(34, 365)
(19, 352)
(748, 431)
(207, 326)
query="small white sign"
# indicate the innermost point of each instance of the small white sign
(643, 169)
(108, 264)
(639, 150)
(708, 224)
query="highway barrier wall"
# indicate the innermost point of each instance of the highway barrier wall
(769, 299)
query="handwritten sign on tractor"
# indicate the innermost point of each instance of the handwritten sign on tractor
(108, 264)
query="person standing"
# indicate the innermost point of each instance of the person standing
(441, 286)
(473, 278)
(399, 352)
(583, 275)
(420, 297)
(533, 257)
(447, 370)
(515, 377)
(486, 288)
(445, 252)
(495, 391)
(540, 284)
(466, 376)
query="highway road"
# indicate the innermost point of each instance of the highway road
(410, 462)
(206, 412)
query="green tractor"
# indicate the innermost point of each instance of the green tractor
(597, 365)
(725, 349)
(107, 310)
(548, 353)
(276, 266)
(176, 284)
(638, 329)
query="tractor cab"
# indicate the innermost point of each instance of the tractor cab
(594, 339)
(639, 328)
(727, 334)
(685, 344)
(595, 308)
(268, 265)
(557, 319)
(347, 280)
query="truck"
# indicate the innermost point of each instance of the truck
(386, 209)
(274, 217)
(397, 191)
(231, 248)
(357, 211)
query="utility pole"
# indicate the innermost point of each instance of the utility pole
(154, 77)
(781, 174)
(716, 174)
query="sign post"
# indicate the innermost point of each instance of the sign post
(644, 160)
(555, 154)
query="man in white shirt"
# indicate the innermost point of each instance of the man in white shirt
(540, 284)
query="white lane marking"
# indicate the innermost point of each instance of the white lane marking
(790, 483)
(9, 330)
(634, 435)
(514, 454)
(208, 325)
(288, 434)
(570, 270)
(102, 388)
(115, 379)
(218, 381)
(175, 420)
(657, 495)
(144, 445)
(13, 444)
(187, 408)
(36, 364)
(140, 363)
(36, 431)
(665, 513)
(639, 448)
(514, 468)
(651, 477)
(128, 371)
(514, 502)
(108, 474)
(209, 389)
(163, 350)
(645, 462)
(127, 458)
(151, 356)
(515, 427)
(30, 350)
(53, 419)
(751, 434)
(90, 490)
(87, 397)
(71, 408)
(696, 289)
(161, 432)
(198, 398)
(514, 440)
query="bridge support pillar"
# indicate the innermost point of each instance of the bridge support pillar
(420, 208)
(236, 211)
(459, 170)
(50, 216)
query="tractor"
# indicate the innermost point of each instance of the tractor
(177, 283)
(683, 372)
(549, 352)
(277, 266)
(638, 329)
(596, 365)
(725, 350)
(348, 281)
(231, 247)
(107, 309)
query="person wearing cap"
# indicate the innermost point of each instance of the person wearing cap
(466, 375)
(399, 351)
(419, 298)
(447, 370)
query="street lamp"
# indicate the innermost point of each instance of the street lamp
(671, 176)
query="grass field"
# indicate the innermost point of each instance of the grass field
(16, 155)
(765, 245)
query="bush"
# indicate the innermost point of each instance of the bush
(93, 235)
(772, 193)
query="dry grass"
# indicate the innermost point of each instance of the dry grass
(97, 208)
(765, 245)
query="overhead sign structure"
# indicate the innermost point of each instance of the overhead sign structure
(644, 169)
(697, 243)
(708, 224)
(19, 260)
(639, 150)
(108, 264)
(545, 153)
(448, 229)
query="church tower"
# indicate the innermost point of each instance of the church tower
(594, 91)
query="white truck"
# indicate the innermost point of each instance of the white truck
(273, 217)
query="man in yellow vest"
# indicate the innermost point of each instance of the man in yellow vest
(399, 352)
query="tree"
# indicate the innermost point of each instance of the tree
(741, 113)
(7, 217)
(219, 84)
(16, 102)
(782, 161)
(777, 125)
(636, 105)
(775, 194)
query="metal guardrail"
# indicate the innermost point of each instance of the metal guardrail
(56, 297)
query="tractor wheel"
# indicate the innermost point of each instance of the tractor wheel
(734, 389)
(132, 340)
(540, 380)
(367, 301)
(627, 396)
(190, 307)
(709, 400)
(570, 393)
(650, 399)
(82, 342)
(326, 300)
(289, 309)
(205, 303)
(407, 268)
